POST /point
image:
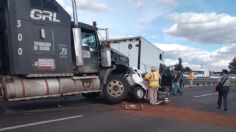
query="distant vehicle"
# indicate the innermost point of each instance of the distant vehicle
(141, 53)
(215, 77)
(233, 76)
(201, 73)
(185, 74)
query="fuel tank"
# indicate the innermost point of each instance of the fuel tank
(16, 89)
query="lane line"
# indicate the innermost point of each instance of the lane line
(39, 123)
(77, 107)
(204, 95)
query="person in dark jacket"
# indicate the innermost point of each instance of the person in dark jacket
(223, 90)
(175, 82)
(166, 79)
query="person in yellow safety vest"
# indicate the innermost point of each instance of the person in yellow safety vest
(153, 78)
(191, 77)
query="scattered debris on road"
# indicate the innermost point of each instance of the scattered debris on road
(132, 106)
(179, 113)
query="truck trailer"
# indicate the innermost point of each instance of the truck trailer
(141, 53)
(43, 54)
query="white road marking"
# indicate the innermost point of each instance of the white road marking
(204, 95)
(38, 123)
(77, 107)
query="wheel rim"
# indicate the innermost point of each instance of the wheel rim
(140, 93)
(115, 88)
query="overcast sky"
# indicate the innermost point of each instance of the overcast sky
(201, 32)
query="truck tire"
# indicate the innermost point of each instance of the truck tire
(116, 89)
(91, 95)
(138, 93)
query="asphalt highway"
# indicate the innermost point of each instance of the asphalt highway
(73, 114)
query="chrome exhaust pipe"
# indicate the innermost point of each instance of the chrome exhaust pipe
(75, 14)
(77, 37)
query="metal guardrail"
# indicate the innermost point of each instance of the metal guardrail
(204, 82)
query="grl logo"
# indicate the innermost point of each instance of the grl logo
(37, 14)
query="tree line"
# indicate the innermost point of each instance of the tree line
(180, 67)
(232, 65)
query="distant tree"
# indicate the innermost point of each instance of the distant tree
(187, 69)
(232, 65)
(179, 66)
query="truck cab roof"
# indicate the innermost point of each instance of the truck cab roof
(85, 26)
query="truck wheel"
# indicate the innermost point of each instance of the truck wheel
(91, 95)
(116, 89)
(138, 93)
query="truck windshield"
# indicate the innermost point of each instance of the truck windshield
(88, 40)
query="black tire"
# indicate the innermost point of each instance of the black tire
(138, 93)
(91, 95)
(116, 89)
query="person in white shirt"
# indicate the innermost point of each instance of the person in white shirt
(223, 90)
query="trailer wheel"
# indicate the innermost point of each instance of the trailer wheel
(116, 89)
(138, 93)
(91, 95)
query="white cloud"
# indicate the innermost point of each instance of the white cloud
(149, 11)
(167, 3)
(195, 58)
(204, 28)
(170, 62)
(89, 5)
(140, 5)
(93, 5)
(220, 63)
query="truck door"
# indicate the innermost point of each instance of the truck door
(89, 52)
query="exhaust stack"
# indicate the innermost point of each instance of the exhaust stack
(77, 37)
(75, 14)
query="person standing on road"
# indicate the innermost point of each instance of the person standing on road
(191, 77)
(181, 85)
(166, 79)
(223, 90)
(175, 83)
(153, 78)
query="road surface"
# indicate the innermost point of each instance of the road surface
(194, 111)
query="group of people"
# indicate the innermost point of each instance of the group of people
(153, 77)
(177, 81)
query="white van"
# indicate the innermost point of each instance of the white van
(201, 73)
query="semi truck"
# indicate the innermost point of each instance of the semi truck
(142, 54)
(44, 54)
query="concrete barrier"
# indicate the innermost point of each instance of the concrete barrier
(205, 82)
